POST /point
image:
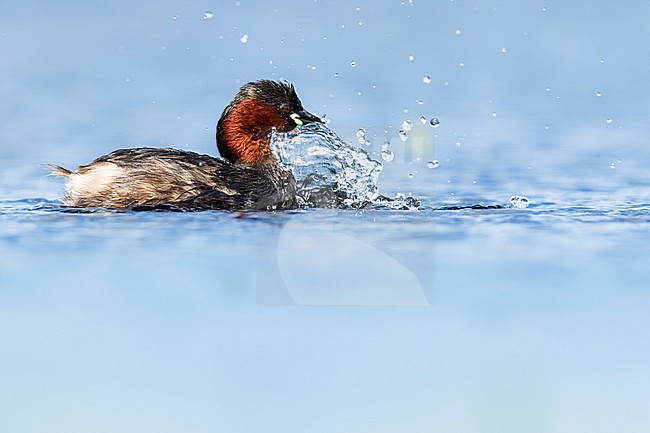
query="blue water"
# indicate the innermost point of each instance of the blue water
(321, 320)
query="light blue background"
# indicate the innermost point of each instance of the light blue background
(536, 319)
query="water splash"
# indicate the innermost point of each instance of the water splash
(387, 154)
(361, 136)
(519, 201)
(329, 172)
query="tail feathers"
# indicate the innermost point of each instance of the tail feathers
(57, 170)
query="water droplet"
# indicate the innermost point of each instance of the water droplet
(426, 79)
(410, 175)
(387, 155)
(609, 121)
(434, 122)
(244, 39)
(403, 135)
(361, 135)
(423, 120)
(407, 125)
(433, 164)
(353, 63)
(163, 48)
(208, 15)
(336, 74)
(420, 102)
(458, 32)
(519, 201)
(599, 94)
(612, 165)
(411, 58)
(458, 143)
(602, 61)
(548, 89)
(504, 50)
(544, 9)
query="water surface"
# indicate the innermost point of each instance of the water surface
(321, 320)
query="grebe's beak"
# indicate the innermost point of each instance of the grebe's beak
(304, 117)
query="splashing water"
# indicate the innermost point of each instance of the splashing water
(361, 136)
(387, 155)
(329, 172)
(519, 201)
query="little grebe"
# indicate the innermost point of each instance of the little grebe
(249, 176)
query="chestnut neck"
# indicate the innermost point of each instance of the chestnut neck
(243, 133)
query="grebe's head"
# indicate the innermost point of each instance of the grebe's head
(244, 128)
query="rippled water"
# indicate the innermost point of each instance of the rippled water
(463, 304)
(181, 320)
(456, 312)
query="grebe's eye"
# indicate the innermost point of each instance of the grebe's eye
(296, 118)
